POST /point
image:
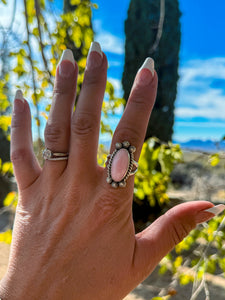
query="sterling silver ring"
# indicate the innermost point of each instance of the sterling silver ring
(121, 164)
(49, 155)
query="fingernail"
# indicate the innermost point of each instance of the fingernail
(18, 105)
(66, 64)
(216, 210)
(144, 77)
(95, 56)
(209, 213)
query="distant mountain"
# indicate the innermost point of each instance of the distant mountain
(199, 145)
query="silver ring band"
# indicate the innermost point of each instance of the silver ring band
(49, 155)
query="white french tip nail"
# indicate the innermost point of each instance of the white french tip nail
(95, 46)
(19, 95)
(68, 55)
(149, 64)
(216, 210)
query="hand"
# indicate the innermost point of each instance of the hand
(73, 235)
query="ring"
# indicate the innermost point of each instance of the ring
(49, 155)
(121, 164)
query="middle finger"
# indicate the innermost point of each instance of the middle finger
(86, 118)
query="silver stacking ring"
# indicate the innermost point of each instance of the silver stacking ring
(121, 164)
(49, 155)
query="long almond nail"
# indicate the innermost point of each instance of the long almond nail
(66, 69)
(95, 56)
(216, 210)
(144, 77)
(209, 213)
(18, 105)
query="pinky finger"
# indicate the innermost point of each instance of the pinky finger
(25, 165)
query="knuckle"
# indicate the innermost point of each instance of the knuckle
(60, 92)
(130, 133)
(21, 154)
(54, 133)
(83, 124)
(17, 122)
(107, 208)
(140, 103)
(63, 88)
(91, 79)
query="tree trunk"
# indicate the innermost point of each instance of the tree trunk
(154, 30)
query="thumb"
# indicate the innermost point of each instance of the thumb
(160, 237)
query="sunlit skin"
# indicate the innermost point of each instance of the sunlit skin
(74, 235)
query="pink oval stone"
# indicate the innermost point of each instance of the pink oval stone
(120, 165)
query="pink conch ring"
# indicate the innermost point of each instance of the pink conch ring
(121, 164)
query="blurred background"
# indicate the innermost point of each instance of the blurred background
(183, 154)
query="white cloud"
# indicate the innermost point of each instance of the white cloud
(201, 124)
(196, 95)
(115, 63)
(205, 69)
(109, 42)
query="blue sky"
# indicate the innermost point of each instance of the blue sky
(200, 103)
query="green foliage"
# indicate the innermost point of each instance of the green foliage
(162, 298)
(6, 236)
(11, 199)
(155, 165)
(5, 120)
(141, 29)
(6, 169)
(201, 252)
(214, 159)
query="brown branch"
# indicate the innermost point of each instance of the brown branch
(160, 27)
(38, 12)
(32, 66)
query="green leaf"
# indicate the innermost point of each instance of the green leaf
(7, 167)
(6, 236)
(75, 2)
(214, 159)
(10, 199)
(35, 31)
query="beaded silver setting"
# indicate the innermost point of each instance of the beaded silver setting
(131, 168)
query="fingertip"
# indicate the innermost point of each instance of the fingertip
(18, 104)
(19, 95)
(149, 64)
(68, 55)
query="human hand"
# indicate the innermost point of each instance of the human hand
(73, 234)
